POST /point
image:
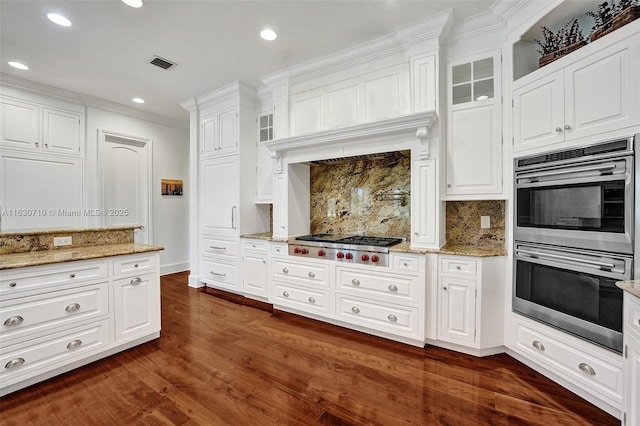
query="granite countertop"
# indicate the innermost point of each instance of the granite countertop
(632, 286)
(46, 257)
(260, 236)
(23, 232)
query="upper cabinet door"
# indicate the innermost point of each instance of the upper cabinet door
(61, 131)
(602, 91)
(208, 135)
(228, 133)
(20, 124)
(538, 113)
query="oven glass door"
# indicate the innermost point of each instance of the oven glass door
(597, 206)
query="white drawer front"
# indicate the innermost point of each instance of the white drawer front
(254, 245)
(23, 316)
(211, 246)
(384, 317)
(404, 262)
(596, 373)
(53, 351)
(389, 286)
(220, 274)
(301, 298)
(279, 249)
(314, 275)
(135, 265)
(458, 266)
(45, 278)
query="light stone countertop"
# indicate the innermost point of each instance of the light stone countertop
(632, 286)
(46, 257)
(24, 232)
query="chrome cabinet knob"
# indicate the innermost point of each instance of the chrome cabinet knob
(285, 293)
(16, 362)
(392, 287)
(355, 310)
(558, 129)
(72, 275)
(135, 281)
(458, 267)
(312, 300)
(74, 344)
(136, 265)
(536, 344)
(586, 368)
(14, 320)
(13, 284)
(444, 287)
(567, 127)
(392, 318)
(72, 307)
(311, 275)
(285, 271)
(355, 282)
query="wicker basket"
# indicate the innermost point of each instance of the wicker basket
(550, 57)
(628, 15)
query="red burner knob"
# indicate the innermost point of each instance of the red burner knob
(348, 256)
(364, 257)
(296, 250)
(304, 251)
(321, 252)
(339, 255)
(374, 258)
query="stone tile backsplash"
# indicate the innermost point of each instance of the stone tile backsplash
(463, 222)
(348, 196)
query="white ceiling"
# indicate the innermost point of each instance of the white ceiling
(106, 52)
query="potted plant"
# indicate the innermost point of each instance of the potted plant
(609, 17)
(560, 43)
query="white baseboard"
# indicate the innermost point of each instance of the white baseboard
(172, 268)
(194, 281)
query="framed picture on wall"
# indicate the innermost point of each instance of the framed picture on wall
(171, 187)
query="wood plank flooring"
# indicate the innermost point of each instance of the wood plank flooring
(222, 363)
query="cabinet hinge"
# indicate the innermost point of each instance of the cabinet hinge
(626, 351)
(501, 58)
(502, 99)
(476, 292)
(512, 103)
(624, 418)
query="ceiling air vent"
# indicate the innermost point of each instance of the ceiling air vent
(162, 63)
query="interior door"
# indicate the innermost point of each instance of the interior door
(126, 184)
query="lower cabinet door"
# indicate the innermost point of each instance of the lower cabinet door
(632, 381)
(254, 274)
(457, 321)
(21, 361)
(137, 306)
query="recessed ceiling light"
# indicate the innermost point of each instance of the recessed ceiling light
(482, 98)
(59, 19)
(18, 65)
(268, 34)
(138, 100)
(133, 3)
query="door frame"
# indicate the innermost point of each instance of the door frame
(107, 136)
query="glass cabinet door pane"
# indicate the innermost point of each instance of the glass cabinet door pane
(264, 121)
(483, 69)
(461, 73)
(462, 94)
(483, 88)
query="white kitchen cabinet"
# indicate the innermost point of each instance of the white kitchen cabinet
(36, 127)
(301, 285)
(631, 362)
(219, 195)
(424, 212)
(255, 271)
(219, 133)
(137, 306)
(582, 97)
(264, 162)
(470, 301)
(474, 142)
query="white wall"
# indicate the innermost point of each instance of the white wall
(170, 161)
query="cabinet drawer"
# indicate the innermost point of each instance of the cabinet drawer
(134, 265)
(220, 274)
(315, 275)
(303, 299)
(48, 277)
(27, 315)
(632, 314)
(254, 245)
(458, 266)
(379, 285)
(384, 317)
(17, 362)
(404, 262)
(279, 249)
(600, 375)
(211, 246)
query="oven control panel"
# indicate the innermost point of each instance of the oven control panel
(349, 255)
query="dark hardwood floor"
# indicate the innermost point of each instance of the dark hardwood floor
(218, 362)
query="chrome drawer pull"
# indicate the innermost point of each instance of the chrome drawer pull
(311, 275)
(17, 319)
(135, 266)
(16, 362)
(586, 368)
(285, 271)
(217, 274)
(392, 318)
(74, 344)
(539, 346)
(392, 287)
(285, 293)
(217, 248)
(72, 307)
(136, 281)
(72, 275)
(355, 310)
(312, 300)
(355, 282)
(458, 267)
(13, 284)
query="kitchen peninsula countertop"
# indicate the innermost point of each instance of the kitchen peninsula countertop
(47, 257)
(631, 286)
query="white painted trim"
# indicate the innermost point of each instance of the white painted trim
(172, 268)
(194, 281)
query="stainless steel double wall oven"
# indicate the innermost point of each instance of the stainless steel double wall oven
(574, 238)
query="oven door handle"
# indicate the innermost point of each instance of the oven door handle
(572, 259)
(600, 168)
